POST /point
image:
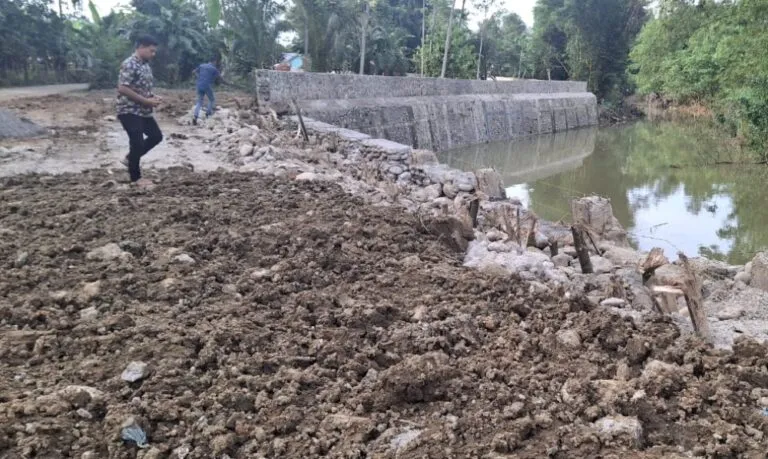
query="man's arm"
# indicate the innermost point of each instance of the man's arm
(221, 79)
(134, 96)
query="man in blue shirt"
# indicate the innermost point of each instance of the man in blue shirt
(206, 76)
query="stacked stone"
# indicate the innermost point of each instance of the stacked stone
(391, 157)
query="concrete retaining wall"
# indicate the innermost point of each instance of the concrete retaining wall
(432, 113)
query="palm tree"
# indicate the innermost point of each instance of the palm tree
(255, 26)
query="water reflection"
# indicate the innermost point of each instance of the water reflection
(655, 176)
(527, 159)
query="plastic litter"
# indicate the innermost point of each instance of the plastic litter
(765, 412)
(134, 433)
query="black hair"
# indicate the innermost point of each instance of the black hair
(145, 40)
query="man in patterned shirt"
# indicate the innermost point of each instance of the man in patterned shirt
(135, 103)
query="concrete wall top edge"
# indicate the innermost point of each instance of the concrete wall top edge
(329, 104)
(282, 86)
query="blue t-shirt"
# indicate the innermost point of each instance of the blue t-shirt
(206, 75)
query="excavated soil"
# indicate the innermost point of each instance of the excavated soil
(287, 319)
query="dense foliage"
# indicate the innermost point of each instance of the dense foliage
(708, 51)
(587, 40)
(32, 32)
(712, 53)
(45, 42)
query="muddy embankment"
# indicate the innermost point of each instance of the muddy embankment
(309, 305)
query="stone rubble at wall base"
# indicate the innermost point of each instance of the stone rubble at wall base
(386, 173)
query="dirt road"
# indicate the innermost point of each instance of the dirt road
(8, 94)
(84, 134)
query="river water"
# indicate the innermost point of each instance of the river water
(659, 177)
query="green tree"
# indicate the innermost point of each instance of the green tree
(712, 53)
(101, 45)
(587, 40)
(461, 58)
(182, 30)
(484, 6)
(507, 44)
(35, 45)
(253, 27)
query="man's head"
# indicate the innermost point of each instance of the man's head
(146, 47)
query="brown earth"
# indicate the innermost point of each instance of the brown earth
(70, 113)
(84, 134)
(286, 319)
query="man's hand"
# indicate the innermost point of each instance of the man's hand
(154, 101)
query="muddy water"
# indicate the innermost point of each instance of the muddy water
(658, 176)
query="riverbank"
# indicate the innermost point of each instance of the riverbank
(613, 115)
(311, 298)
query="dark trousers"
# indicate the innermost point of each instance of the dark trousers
(137, 127)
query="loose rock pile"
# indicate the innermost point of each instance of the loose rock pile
(387, 173)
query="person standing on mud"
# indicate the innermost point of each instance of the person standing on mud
(135, 104)
(207, 74)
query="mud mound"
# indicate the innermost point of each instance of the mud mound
(287, 319)
(11, 126)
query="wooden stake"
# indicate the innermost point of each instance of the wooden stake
(553, 247)
(301, 121)
(531, 240)
(589, 235)
(665, 298)
(581, 250)
(517, 228)
(474, 208)
(692, 292)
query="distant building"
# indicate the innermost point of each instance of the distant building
(291, 62)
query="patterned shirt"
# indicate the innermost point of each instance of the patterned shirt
(137, 75)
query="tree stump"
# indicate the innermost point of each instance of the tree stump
(692, 292)
(654, 261)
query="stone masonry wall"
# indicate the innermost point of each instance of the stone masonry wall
(432, 113)
(283, 86)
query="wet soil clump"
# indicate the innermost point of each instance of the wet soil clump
(236, 315)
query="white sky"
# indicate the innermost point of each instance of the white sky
(522, 7)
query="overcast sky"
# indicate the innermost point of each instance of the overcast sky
(522, 7)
